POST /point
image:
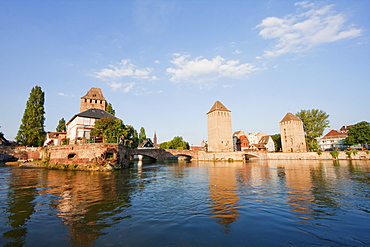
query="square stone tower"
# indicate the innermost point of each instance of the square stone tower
(292, 134)
(93, 99)
(220, 136)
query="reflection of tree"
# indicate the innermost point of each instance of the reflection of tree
(223, 194)
(20, 206)
(322, 188)
(87, 200)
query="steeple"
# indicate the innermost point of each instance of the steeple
(155, 138)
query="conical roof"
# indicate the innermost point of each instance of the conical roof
(218, 106)
(94, 93)
(290, 117)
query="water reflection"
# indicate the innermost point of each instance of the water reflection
(288, 202)
(20, 204)
(223, 194)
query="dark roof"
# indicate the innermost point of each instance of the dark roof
(93, 113)
(218, 106)
(290, 117)
(146, 144)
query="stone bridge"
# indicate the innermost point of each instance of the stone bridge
(162, 154)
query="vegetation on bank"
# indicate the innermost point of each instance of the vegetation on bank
(176, 143)
(314, 123)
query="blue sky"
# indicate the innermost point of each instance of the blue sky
(162, 64)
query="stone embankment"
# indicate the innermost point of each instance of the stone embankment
(360, 155)
(105, 156)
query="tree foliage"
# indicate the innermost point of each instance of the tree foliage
(31, 131)
(113, 130)
(314, 123)
(358, 134)
(176, 143)
(109, 109)
(277, 140)
(142, 135)
(61, 125)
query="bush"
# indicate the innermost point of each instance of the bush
(334, 154)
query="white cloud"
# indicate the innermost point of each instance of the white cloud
(65, 95)
(201, 70)
(123, 69)
(114, 85)
(157, 62)
(296, 33)
(128, 86)
(237, 52)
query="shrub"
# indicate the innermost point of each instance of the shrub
(334, 154)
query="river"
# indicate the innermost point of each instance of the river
(259, 203)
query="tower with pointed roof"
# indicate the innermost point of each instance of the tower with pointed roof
(220, 136)
(93, 99)
(292, 134)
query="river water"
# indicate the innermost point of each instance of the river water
(261, 203)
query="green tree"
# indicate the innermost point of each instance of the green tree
(358, 134)
(176, 143)
(142, 135)
(31, 131)
(108, 128)
(277, 140)
(109, 109)
(135, 138)
(314, 123)
(61, 125)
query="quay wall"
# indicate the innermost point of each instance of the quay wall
(363, 155)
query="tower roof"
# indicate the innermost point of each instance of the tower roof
(94, 93)
(290, 117)
(218, 106)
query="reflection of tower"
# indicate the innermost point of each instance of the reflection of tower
(292, 134)
(93, 99)
(220, 136)
(299, 183)
(223, 194)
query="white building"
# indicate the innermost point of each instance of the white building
(81, 124)
(333, 140)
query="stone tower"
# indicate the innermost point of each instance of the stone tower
(93, 99)
(220, 136)
(292, 134)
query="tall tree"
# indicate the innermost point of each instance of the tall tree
(109, 109)
(61, 125)
(358, 134)
(142, 135)
(135, 138)
(314, 123)
(31, 131)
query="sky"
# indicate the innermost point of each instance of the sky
(162, 64)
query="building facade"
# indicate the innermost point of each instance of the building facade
(220, 135)
(333, 140)
(292, 134)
